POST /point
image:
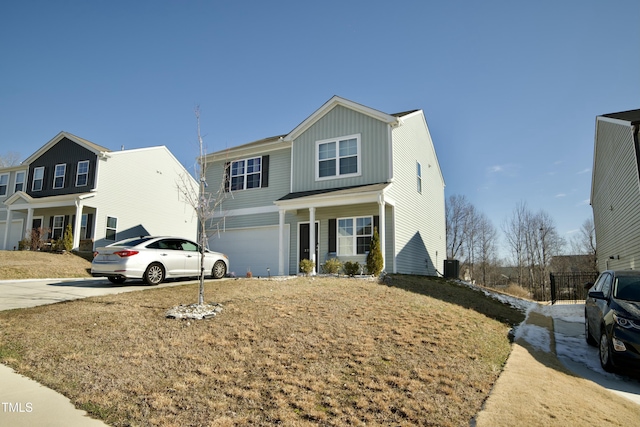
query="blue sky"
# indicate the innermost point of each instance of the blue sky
(510, 89)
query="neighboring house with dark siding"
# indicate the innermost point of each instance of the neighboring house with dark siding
(615, 190)
(105, 195)
(346, 169)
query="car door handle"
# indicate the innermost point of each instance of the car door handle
(163, 254)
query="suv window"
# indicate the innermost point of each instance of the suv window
(606, 285)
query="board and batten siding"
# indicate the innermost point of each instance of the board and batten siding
(140, 188)
(340, 122)
(616, 197)
(420, 245)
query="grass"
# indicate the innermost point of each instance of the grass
(307, 351)
(42, 265)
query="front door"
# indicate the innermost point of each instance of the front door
(304, 242)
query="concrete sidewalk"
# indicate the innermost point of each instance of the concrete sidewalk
(24, 402)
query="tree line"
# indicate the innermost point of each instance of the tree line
(533, 245)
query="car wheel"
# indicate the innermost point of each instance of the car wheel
(219, 269)
(118, 280)
(605, 352)
(154, 274)
(587, 334)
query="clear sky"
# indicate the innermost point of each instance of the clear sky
(510, 89)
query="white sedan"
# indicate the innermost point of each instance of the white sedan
(154, 259)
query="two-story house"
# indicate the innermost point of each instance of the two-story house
(319, 192)
(105, 195)
(615, 190)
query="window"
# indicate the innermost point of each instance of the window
(246, 174)
(83, 226)
(82, 175)
(354, 235)
(58, 227)
(4, 184)
(38, 178)
(20, 178)
(112, 225)
(419, 173)
(338, 158)
(58, 176)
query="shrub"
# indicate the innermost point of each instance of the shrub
(306, 266)
(24, 244)
(332, 266)
(67, 239)
(351, 268)
(374, 257)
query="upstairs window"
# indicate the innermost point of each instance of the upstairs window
(354, 235)
(419, 174)
(246, 173)
(20, 179)
(4, 184)
(38, 178)
(82, 175)
(58, 176)
(338, 158)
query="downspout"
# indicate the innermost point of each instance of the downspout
(636, 145)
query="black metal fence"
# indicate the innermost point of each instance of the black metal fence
(570, 287)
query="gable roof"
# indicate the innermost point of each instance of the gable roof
(632, 116)
(80, 141)
(332, 103)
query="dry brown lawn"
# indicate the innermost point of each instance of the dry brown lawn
(42, 265)
(306, 351)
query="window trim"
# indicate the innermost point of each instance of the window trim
(6, 186)
(56, 176)
(337, 140)
(53, 227)
(419, 176)
(354, 237)
(23, 182)
(245, 174)
(86, 174)
(115, 229)
(41, 180)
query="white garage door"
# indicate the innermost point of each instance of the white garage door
(15, 234)
(252, 249)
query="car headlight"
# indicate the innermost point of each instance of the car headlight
(625, 323)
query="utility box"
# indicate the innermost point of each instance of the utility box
(451, 268)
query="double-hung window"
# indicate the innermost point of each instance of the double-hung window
(112, 228)
(58, 176)
(82, 174)
(246, 173)
(20, 178)
(338, 158)
(4, 184)
(38, 178)
(354, 235)
(58, 227)
(419, 174)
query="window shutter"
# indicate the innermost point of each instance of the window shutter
(89, 226)
(66, 222)
(376, 223)
(265, 171)
(227, 174)
(73, 224)
(50, 231)
(333, 223)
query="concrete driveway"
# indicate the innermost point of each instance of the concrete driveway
(24, 402)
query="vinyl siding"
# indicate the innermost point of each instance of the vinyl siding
(419, 217)
(140, 189)
(615, 197)
(339, 122)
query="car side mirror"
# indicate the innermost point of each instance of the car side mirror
(596, 295)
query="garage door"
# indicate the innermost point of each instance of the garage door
(252, 249)
(15, 234)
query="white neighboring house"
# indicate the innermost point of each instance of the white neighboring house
(615, 190)
(105, 195)
(347, 169)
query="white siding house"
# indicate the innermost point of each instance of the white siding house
(104, 195)
(347, 169)
(615, 190)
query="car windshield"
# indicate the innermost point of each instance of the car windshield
(628, 288)
(132, 242)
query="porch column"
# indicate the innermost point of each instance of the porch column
(312, 238)
(29, 224)
(6, 229)
(281, 253)
(77, 225)
(382, 230)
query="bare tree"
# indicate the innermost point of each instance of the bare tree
(585, 243)
(514, 232)
(11, 158)
(487, 247)
(456, 212)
